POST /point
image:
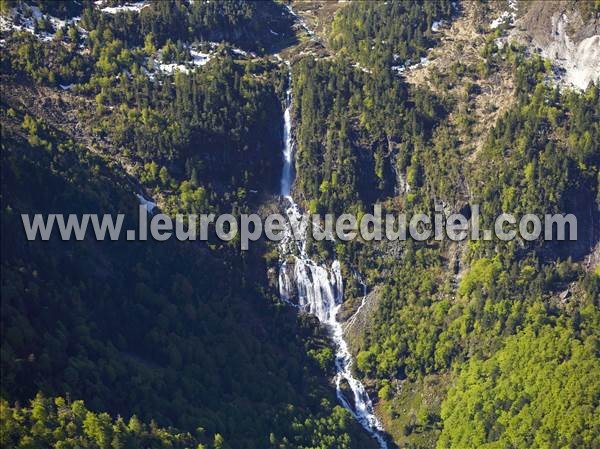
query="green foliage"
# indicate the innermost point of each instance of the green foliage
(343, 144)
(163, 331)
(390, 33)
(324, 357)
(241, 22)
(541, 157)
(481, 275)
(214, 127)
(159, 330)
(47, 63)
(63, 424)
(419, 327)
(540, 390)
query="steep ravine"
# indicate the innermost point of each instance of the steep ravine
(317, 288)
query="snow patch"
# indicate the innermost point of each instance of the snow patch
(172, 68)
(199, 58)
(239, 51)
(399, 69)
(509, 16)
(364, 69)
(135, 7)
(424, 62)
(25, 17)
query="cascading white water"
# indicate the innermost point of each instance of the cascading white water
(286, 174)
(317, 289)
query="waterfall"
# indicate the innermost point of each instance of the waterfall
(288, 140)
(318, 289)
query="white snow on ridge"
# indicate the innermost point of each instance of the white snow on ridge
(24, 18)
(199, 58)
(17, 20)
(57, 23)
(239, 51)
(6, 24)
(26, 24)
(136, 7)
(172, 68)
(435, 26)
(511, 15)
(424, 62)
(399, 69)
(500, 20)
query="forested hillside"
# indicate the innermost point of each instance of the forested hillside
(444, 310)
(157, 330)
(412, 106)
(387, 33)
(177, 335)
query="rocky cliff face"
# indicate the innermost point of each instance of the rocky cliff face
(561, 32)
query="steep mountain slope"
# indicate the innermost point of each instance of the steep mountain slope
(481, 123)
(176, 333)
(567, 34)
(412, 106)
(159, 330)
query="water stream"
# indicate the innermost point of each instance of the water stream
(318, 289)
